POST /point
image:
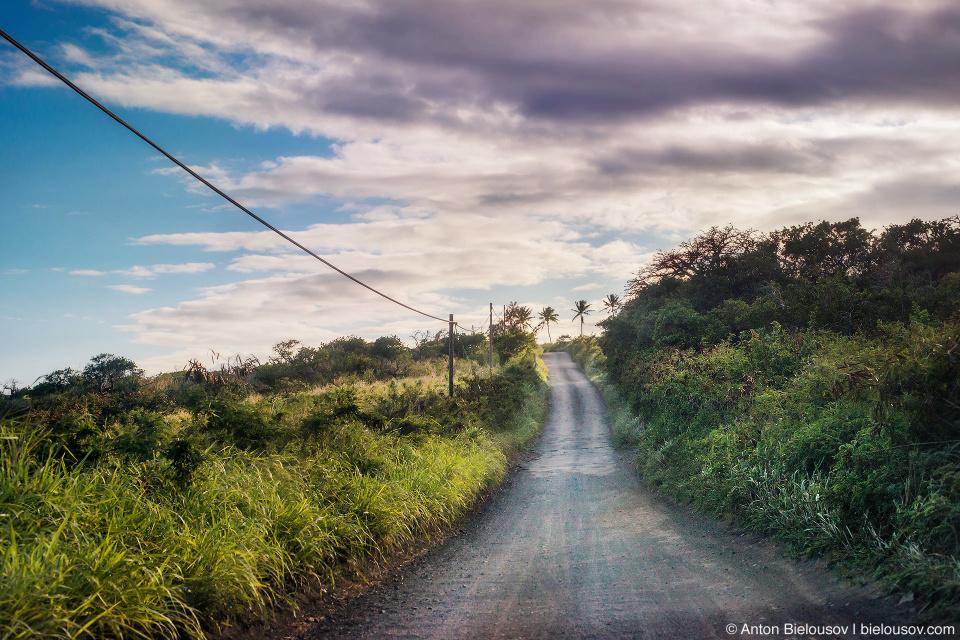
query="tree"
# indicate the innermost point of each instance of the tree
(106, 370)
(548, 315)
(517, 317)
(707, 253)
(58, 381)
(582, 310)
(825, 250)
(612, 303)
(387, 347)
(513, 342)
(286, 351)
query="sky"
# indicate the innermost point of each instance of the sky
(451, 154)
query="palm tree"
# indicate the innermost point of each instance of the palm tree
(548, 315)
(518, 316)
(582, 310)
(612, 303)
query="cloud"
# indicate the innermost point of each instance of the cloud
(521, 143)
(588, 287)
(443, 252)
(758, 158)
(432, 264)
(633, 116)
(147, 272)
(14, 272)
(253, 315)
(128, 288)
(453, 65)
(153, 271)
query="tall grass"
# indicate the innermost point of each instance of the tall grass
(126, 548)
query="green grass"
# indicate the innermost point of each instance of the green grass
(124, 547)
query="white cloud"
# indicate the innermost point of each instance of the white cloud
(153, 271)
(128, 288)
(406, 258)
(88, 272)
(588, 287)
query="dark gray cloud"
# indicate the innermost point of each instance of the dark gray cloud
(550, 59)
(379, 96)
(757, 158)
(574, 61)
(881, 53)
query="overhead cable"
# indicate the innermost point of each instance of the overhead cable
(193, 173)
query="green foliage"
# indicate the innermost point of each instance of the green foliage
(155, 513)
(387, 348)
(842, 445)
(141, 435)
(58, 381)
(108, 372)
(835, 276)
(516, 317)
(296, 367)
(806, 381)
(512, 343)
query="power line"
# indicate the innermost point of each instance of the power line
(471, 329)
(193, 173)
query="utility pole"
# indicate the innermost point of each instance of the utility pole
(490, 340)
(450, 363)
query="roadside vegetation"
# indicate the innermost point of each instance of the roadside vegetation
(160, 507)
(807, 383)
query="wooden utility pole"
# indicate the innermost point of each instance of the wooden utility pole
(450, 363)
(490, 340)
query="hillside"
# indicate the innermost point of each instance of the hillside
(806, 382)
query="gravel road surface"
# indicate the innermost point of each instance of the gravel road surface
(574, 547)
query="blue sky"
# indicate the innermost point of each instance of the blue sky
(452, 155)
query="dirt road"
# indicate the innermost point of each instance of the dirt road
(574, 547)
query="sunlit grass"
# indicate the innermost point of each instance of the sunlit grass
(121, 550)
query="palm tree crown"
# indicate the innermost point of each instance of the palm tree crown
(582, 309)
(548, 315)
(518, 316)
(612, 303)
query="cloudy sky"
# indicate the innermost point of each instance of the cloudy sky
(449, 153)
